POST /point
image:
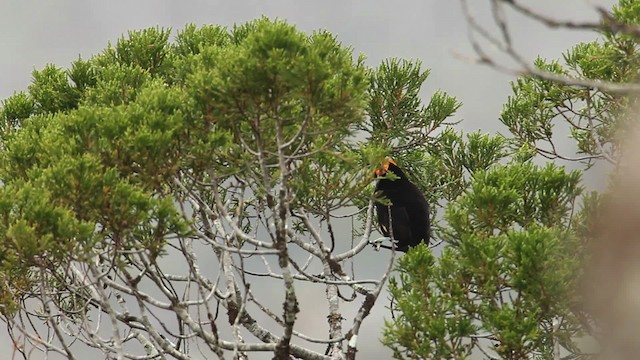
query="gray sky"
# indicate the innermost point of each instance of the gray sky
(34, 33)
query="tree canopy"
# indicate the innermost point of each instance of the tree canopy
(221, 150)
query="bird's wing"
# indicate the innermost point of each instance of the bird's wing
(383, 218)
(419, 218)
(401, 225)
(400, 221)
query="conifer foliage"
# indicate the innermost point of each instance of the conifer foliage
(156, 195)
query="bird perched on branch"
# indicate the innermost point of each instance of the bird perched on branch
(408, 207)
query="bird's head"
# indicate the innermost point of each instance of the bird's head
(385, 166)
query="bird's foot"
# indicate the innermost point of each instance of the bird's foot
(378, 242)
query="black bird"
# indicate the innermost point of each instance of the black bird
(409, 208)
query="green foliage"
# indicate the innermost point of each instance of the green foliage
(518, 194)
(277, 79)
(146, 49)
(192, 39)
(397, 117)
(90, 155)
(51, 90)
(14, 110)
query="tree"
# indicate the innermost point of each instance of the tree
(155, 195)
(533, 263)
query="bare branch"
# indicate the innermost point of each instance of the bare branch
(526, 68)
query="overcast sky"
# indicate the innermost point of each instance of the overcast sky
(34, 33)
